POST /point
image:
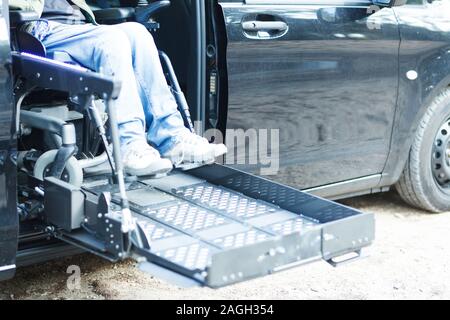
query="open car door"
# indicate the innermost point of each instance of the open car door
(9, 223)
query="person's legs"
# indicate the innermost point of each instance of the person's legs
(166, 128)
(164, 121)
(107, 49)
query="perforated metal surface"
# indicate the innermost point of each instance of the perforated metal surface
(225, 201)
(243, 208)
(241, 239)
(333, 212)
(188, 217)
(287, 198)
(193, 219)
(217, 222)
(292, 226)
(152, 230)
(266, 190)
(192, 256)
(195, 256)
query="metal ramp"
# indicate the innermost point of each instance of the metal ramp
(218, 226)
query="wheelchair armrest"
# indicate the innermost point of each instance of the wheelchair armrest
(49, 74)
(114, 14)
(26, 42)
(17, 17)
(143, 14)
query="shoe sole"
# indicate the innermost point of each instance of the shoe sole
(188, 165)
(150, 170)
(198, 159)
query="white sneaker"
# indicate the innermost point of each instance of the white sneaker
(194, 149)
(140, 159)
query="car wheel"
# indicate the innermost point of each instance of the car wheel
(73, 173)
(425, 181)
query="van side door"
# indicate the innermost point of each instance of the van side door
(322, 72)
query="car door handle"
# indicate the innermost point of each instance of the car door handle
(252, 26)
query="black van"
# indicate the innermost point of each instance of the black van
(357, 89)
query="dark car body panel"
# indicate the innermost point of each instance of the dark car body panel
(330, 81)
(425, 47)
(9, 224)
(344, 128)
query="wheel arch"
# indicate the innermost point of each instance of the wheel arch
(405, 128)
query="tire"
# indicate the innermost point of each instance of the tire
(425, 181)
(72, 171)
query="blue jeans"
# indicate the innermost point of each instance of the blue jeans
(128, 53)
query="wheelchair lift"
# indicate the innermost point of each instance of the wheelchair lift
(212, 225)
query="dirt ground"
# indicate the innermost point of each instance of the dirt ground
(409, 259)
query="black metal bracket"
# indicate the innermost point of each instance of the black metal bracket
(63, 155)
(46, 73)
(346, 258)
(183, 106)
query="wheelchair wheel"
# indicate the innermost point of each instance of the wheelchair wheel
(73, 173)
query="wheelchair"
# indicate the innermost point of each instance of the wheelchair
(65, 119)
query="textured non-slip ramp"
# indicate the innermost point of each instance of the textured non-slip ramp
(257, 213)
(204, 227)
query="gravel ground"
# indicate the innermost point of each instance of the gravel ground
(410, 259)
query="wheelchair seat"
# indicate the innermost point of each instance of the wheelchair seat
(17, 17)
(62, 56)
(29, 44)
